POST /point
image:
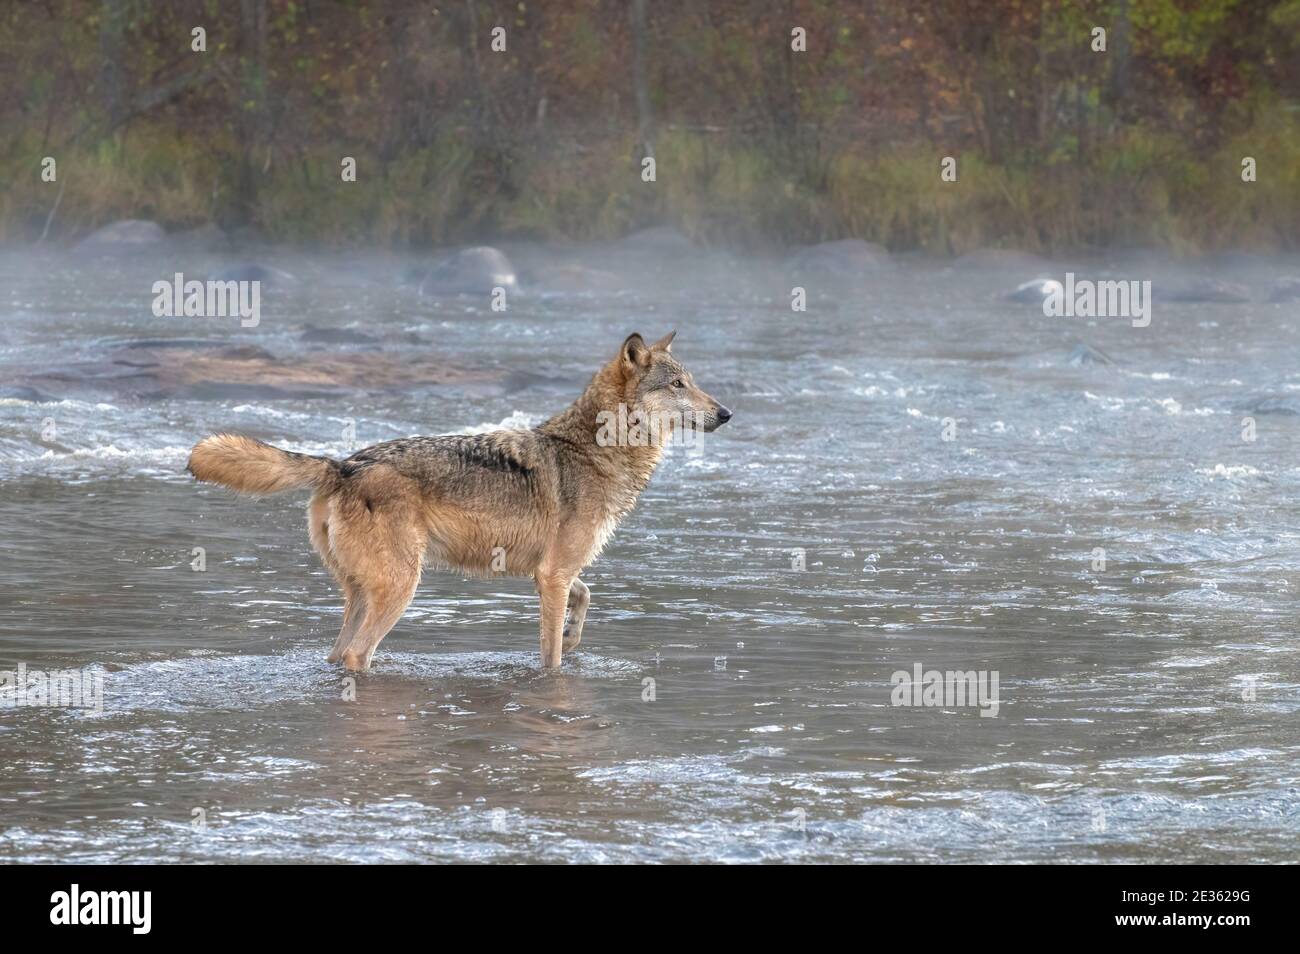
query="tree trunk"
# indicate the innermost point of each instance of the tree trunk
(1119, 53)
(112, 52)
(251, 126)
(644, 110)
(1043, 112)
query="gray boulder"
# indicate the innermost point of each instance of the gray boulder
(659, 239)
(331, 336)
(20, 392)
(1285, 289)
(204, 238)
(1288, 404)
(1035, 291)
(1207, 290)
(998, 258)
(471, 271)
(574, 279)
(128, 235)
(846, 259)
(1084, 356)
(251, 272)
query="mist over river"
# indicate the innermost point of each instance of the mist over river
(919, 472)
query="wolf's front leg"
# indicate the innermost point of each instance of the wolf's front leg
(579, 600)
(554, 590)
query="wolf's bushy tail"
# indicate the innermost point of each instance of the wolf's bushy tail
(252, 467)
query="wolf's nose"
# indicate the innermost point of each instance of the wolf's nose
(724, 415)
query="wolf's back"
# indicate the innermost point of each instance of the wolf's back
(252, 467)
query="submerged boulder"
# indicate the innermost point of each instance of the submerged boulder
(127, 235)
(204, 238)
(1288, 404)
(574, 279)
(1207, 290)
(995, 258)
(1085, 355)
(845, 259)
(1286, 288)
(218, 371)
(331, 336)
(471, 271)
(250, 272)
(411, 276)
(25, 393)
(660, 239)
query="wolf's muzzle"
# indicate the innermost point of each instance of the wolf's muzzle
(721, 415)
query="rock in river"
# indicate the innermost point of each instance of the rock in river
(471, 271)
(844, 260)
(128, 235)
(1036, 291)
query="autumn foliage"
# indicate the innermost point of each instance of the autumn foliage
(1058, 144)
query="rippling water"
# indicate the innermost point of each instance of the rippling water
(1147, 708)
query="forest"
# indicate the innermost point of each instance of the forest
(1073, 124)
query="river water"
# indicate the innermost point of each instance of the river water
(917, 473)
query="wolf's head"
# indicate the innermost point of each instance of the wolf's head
(657, 384)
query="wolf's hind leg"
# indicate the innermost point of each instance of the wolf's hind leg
(384, 604)
(354, 604)
(380, 550)
(354, 610)
(579, 600)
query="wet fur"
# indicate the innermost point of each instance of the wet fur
(549, 498)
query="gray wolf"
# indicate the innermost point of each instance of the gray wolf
(539, 503)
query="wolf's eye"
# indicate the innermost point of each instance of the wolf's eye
(679, 383)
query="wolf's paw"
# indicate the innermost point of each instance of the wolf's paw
(356, 662)
(571, 639)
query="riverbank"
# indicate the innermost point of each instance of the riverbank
(1142, 189)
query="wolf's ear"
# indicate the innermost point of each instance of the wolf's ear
(635, 354)
(665, 343)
